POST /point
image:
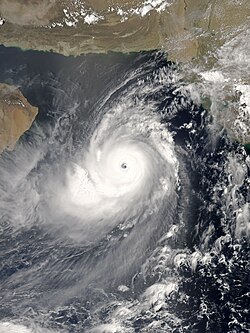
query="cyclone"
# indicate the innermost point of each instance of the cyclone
(125, 170)
(124, 208)
(107, 185)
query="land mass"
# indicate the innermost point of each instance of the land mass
(16, 115)
(211, 36)
(186, 29)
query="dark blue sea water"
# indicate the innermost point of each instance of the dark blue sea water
(87, 248)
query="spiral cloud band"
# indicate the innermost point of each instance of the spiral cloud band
(125, 170)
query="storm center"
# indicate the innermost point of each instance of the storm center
(124, 166)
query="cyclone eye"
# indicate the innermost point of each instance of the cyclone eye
(124, 166)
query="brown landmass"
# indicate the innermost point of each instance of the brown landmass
(16, 116)
(185, 28)
(27, 12)
(190, 31)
